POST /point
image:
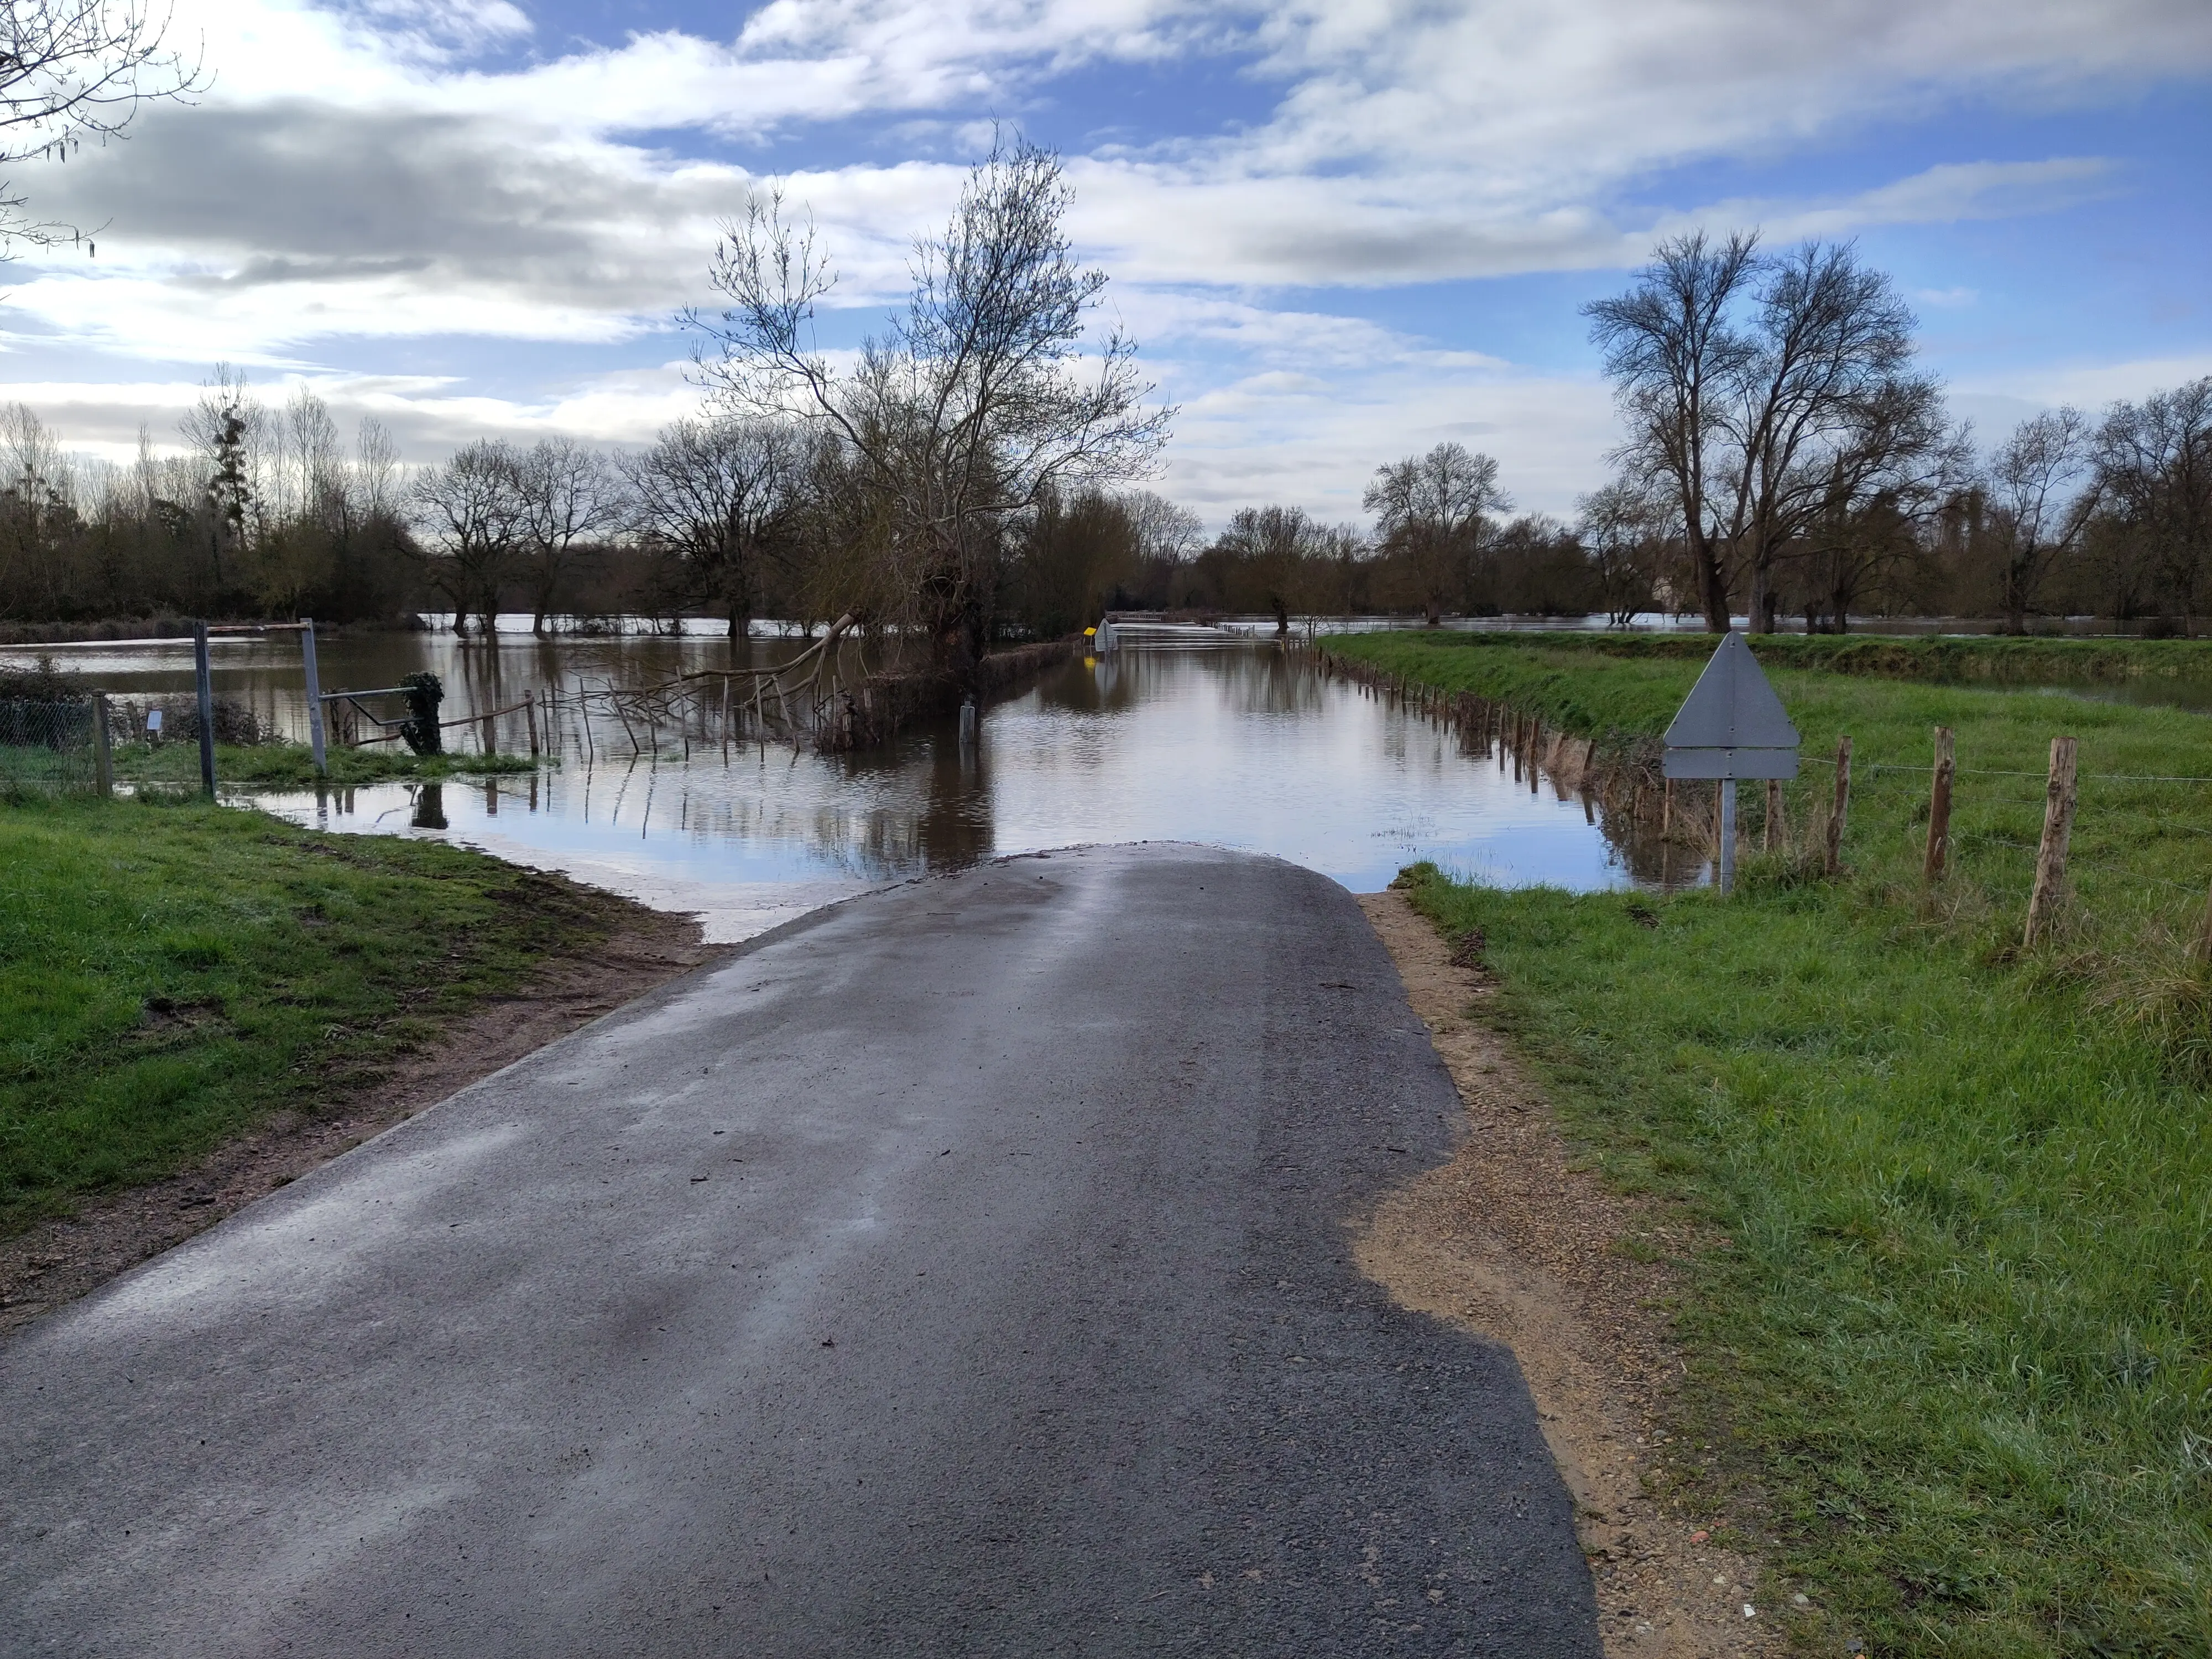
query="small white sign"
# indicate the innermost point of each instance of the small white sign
(153, 719)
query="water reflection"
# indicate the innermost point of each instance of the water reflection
(1243, 746)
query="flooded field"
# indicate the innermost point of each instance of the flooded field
(1242, 745)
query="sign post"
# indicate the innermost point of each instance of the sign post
(1731, 726)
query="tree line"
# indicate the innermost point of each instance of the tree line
(972, 473)
(1786, 455)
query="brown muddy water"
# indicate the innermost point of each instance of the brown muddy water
(1240, 745)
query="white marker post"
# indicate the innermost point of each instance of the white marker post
(1731, 726)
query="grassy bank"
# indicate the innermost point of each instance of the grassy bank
(1957, 658)
(292, 765)
(172, 973)
(1958, 1338)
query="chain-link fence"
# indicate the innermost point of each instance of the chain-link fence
(46, 747)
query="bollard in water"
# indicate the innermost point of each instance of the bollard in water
(968, 724)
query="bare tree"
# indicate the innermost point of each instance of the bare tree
(1339, 566)
(723, 495)
(73, 69)
(1165, 531)
(1824, 405)
(472, 513)
(1431, 509)
(2041, 493)
(974, 402)
(1763, 423)
(568, 494)
(2155, 466)
(1676, 359)
(1882, 494)
(376, 469)
(1626, 529)
(1272, 547)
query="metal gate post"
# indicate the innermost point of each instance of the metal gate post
(103, 758)
(314, 695)
(206, 689)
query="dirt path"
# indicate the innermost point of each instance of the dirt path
(60, 1260)
(1512, 1240)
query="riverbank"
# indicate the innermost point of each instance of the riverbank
(197, 1003)
(1947, 1337)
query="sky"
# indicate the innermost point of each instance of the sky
(1340, 231)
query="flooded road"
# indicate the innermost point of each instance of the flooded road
(1239, 745)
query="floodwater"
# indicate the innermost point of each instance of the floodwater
(1242, 745)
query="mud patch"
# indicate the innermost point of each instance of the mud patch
(56, 1261)
(1511, 1240)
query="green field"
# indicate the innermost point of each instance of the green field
(1957, 1343)
(171, 973)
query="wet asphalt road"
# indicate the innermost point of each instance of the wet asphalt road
(963, 1271)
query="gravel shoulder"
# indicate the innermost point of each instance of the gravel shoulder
(1513, 1240)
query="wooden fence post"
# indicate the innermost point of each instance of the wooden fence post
(2058, 801)
(1667, 811)
(530, 714)
(1939, 808)
(490, 737)
(1840, 809)
(1770, 836)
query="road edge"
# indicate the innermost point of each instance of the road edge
(1515, 1239)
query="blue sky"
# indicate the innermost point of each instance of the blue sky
(1340, 230)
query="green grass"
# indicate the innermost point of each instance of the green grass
(1954, 658)
(172, 973)
(291, 765)
(1957, 1341)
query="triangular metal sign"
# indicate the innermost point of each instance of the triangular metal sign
(1732, 725)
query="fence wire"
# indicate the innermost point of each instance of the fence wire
(47, 747)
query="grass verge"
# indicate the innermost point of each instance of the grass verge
(292, 765)
(172, 973)
(1957, 1341)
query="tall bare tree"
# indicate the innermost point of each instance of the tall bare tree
(1626, 530)
(1884, 486)
(1768, 392)
(474, 519)
(2041, 491)
(2155, 467)
(1826, 409)
(1431, 510)
(977, 398)
(1676, 357)
(723, 494)
(72, 71)
(1270, 547)
(569, 495)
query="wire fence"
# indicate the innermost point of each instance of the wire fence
(47, 747)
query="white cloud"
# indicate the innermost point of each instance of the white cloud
(387, 168)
